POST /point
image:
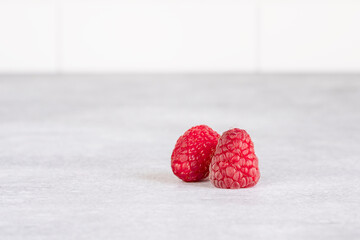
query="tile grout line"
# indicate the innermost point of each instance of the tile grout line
(258, 37)
(58, 37)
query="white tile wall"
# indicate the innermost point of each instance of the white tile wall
(310, 36)
(179, 36)
(27, 36)
(156, 36)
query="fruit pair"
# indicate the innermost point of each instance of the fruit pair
(229, 159)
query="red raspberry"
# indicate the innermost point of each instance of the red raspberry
(193, 151)
(234, 164)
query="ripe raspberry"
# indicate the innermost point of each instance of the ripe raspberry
(234, 164)
(193, 151)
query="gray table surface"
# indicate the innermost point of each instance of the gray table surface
(88, 157)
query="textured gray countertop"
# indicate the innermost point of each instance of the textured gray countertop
(88, 157)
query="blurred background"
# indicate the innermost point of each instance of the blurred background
(95, 93)
(159, 36)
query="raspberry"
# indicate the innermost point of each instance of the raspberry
(193, 151)
(234, 164)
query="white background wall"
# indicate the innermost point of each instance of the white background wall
(96, 36)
